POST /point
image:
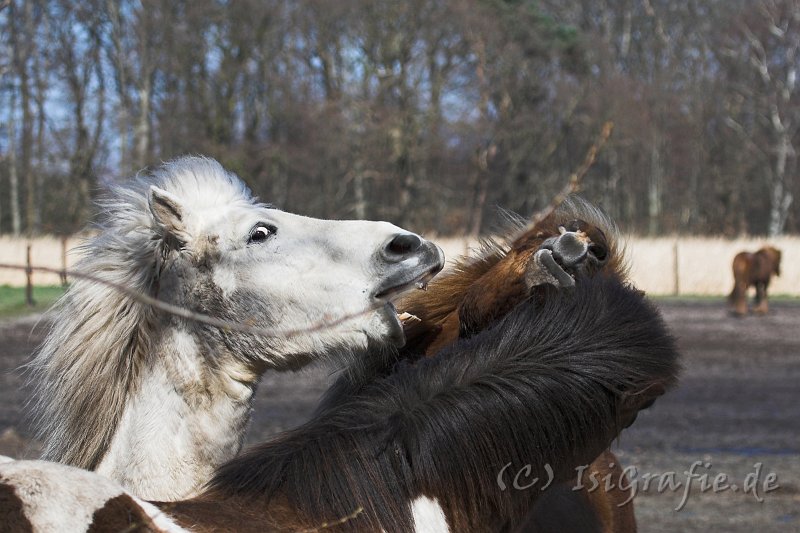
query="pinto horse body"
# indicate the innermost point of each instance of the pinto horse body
(754, 270)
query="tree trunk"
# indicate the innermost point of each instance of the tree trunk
(405, 161)
(41, 90)
(612, 182)
(781, 198)
(16, 222)
(359, 192)
(654, 186)
(120, 72)
(481, 180)
(479, 198)
(143, 124)
(27, 123)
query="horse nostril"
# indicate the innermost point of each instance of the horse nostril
(599, 253)
(404, 244)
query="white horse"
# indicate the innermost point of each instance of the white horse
(157, 401)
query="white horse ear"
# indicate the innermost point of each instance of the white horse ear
(168, 213)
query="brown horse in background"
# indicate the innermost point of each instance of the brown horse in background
(754, 270)
(480, 290)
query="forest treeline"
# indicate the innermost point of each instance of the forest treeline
(427, 113)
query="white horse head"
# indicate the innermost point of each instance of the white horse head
(121, 383)
(232, 258)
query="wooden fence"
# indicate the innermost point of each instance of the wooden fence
(660, 266)
(51, 252)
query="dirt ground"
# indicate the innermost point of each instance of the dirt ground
(737, 407)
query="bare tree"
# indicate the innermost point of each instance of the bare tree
(132, 47)
(428, 113)
(77, 56)
(16, 219)
(773, 38)
(760, 56)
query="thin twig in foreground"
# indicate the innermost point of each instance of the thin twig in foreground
(199, 317)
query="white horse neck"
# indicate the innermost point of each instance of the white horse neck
(182, 420)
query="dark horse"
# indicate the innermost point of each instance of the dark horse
(543, 354)
(754, 270)
(481, 290)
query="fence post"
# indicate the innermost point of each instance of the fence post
(29, 278)
(676, 287)
(63, 273)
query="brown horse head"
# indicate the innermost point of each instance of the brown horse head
(576, 240)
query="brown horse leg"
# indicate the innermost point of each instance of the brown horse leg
(761, 299)
(741, 280)
(739, 298)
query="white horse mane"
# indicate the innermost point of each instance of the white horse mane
(99, 339)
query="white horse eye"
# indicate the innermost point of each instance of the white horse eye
(261, 233)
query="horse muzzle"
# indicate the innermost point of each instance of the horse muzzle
(407, 261)
(564, 256)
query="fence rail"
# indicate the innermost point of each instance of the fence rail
(660, 266)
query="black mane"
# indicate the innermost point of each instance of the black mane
(543, 386)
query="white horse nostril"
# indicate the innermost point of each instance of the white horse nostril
(404, 243)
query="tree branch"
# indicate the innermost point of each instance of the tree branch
(574, 182)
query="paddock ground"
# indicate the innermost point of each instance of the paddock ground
(738, 404)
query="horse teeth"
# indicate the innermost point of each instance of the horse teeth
(408, 318)
(422, 285)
